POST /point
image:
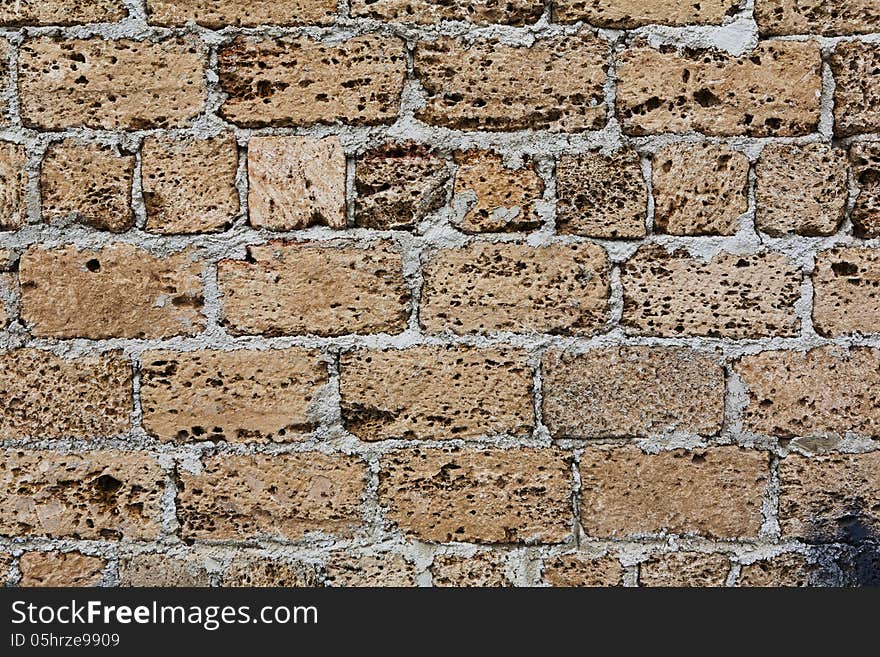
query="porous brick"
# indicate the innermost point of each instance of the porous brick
(684, 569)
(60, 569)
(164, 570)
(570, 570)
(857, 87)
(846, 298)
(268, 572)
(791, 569)
(778, 17)
(865, 159)
(485, 569)
(245, 13)
(425, 12)
(13, 184)
(345, 569)
(61, 12)
(623, 14)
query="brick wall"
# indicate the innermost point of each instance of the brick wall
(411, 293)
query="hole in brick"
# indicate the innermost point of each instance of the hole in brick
(93, 265)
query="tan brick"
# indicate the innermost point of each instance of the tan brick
(572, 570)
(431, 393)
(514, 287)
(865, 159)
(89, 183)
(344, 569)
(555, 84)
(699, 189)
(831, 497)
(800, 189)
(119, 291)
(278, 495)
(47, 397)
(110, 84)
(61, 12)
(485, 569)
(730, 296)
(776, 17)
(297, 81)
(189, 184)
(399, 185)
(60, 569)
(714, 492)
(601, 195)
(296, 182)
(423, 12)
(316, 288)
(91, 495)
(491, 496)
(773, 90)
(164, 570)
(237, 396)
(245, 13)
(632, 391)
(857, 87)
(13, 184)
(845, 291)
(824, 391)
(5, 566)
(684, 569)
(790, 569)
(495, 198)
(635, 13)
(268, 572)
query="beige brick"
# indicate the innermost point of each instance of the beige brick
(635, 13)
(164, 570)
(570, 570)
(789, 569)
(854, 65)
(699, 189)
(344, 569)
(824, 391)
(493, 86)
(60, 569)
(865, 159)
(317, 288)
(119, 291)
(189, 184)
(264, 572)
(776, 17)
(431, 393)
(715, 492)
(47, 397)
(399, 185)
(845, 291)
(296, 182)
(514, 287)
(61, 12)
(110, 84)
(277, 495)
(800, 189)
(91, 495)
(730, 296)
(632, 391)
(684, 569)
(485, 569)
(89, 183)
(496, 198)
(297, 81)
(245, 13)
(491, 496)
(601, 195)
(425, 12)
(13, 184)
(773, 90)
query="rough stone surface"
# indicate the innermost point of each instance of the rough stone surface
(289, 288)
(485, 569)
(60, 569)
(7, 284)
(572, 570)
(425, 12)
(61, 12)
(865, 158)
(623, 14)
(684, 569)
(790, 569)
(731, 296)
(236, 396)
(828, 17)
(128, 292)
(632, 391)
(163, 570)
(846, 298)
(245, 13)
(268, 572)
(773, 90)
(514, 287)
(5, 566)
(344, 569)
(13, 184)
(857, 87)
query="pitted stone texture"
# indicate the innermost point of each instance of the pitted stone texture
(496, 198)
(346, 569)
(790, 569)
(556, 84)
(715, 492)
(699, 189)
(828, 17)
(855, 65)
(830, 498)
(97, 495)
(189, 184)
(47, 397)
(119, 291)
(296, 182)
(800, 189)
(60, 569)
(111, 84)
(865, 159)
(276, 495)
(621, 392)
(731, 296)
(61, 12)
(824, 391)
(570, 570)
(684, 569)
(431, 393)
(601, 195)
(236, 396)
(264, 572)
(89, 183)
(297, 81)
(7, 285)
(426, 12)
(625, 14)
(846, 291)
(244, 13)
(319, 288)
(490, 496)
(485, 569)
(5, 566)
(399, 185)
(773, 90)
(484, 287)
(164, 570)
(13, 184)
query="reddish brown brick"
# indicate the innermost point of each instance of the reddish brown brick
(60, 569)
(245, 13)
(845, 291)
(424, 12)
